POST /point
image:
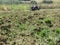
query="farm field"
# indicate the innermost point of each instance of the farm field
(30, 27)
(21, 26)
(24, 7)
(15, 7)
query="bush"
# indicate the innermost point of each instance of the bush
(48, 1)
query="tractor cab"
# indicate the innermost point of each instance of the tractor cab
(34, 6)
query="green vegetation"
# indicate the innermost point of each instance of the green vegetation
(30, 27)
(16, 7)
(47, 1)
(12, 1)
(21, 26)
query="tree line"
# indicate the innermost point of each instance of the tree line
(12, 1)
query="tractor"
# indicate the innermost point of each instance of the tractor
(34, 6)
